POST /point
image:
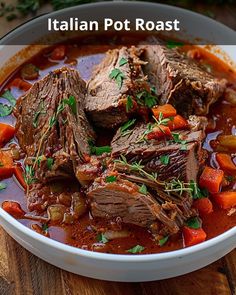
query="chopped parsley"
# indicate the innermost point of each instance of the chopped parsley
(145, 98)
(29, 175)
(6, 110)
(98, 150)
(173, 44)
(163, 241)
(143, 189)
(196, 192)
(72, 103)
(110, 178)
(50, 162)
(129, 103)
(45, 227)
(136, 249)
(118, 76)
(177, 139)
(123, 61)
(2, 186)
(165, 159)
(101, 238)
(194, 223)
(129, 124)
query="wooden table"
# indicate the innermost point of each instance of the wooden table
(22, 273)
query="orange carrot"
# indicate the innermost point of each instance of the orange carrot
(211, 179)
(225, 162)
(21, 84)
(167, 111)
(6, 133)
(6, 164)
(193, 236)
(159, 132)
(58, 53)
(13, 208)
(178, 122)
(226, 200)
(19, 174)
(204, 206)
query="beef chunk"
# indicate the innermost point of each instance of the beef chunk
(122, 199)
(179, 80)
(52, 127)
(107, 97)
(183, 152)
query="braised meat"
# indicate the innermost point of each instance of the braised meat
(52, 127)
(183, 152)
(123, 199)
(117, 78)
(179, 80)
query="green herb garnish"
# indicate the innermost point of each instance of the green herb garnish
(6, 110)
(123, 61)
(2, 186)
(146, 98)
(101, 238)
(197, 192)
(50, 162)
(72, 103)
(111, 178)
(194, 223)
(99, 150)
(29, 175)
(118, 76)
(173, 44)
(136, 249)
(129, 124)
(163, 241)
(143, 189)
(165, 159)
(129, 103)
(45, 227)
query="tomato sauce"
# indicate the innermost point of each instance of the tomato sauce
(222, 117)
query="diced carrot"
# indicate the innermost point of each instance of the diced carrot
(211, 179)
(167, 111)
(204, 206)
(225, 162)
(6, 133)
(193, 236)
(21, 84)
(159, 132)
(6, 164)
(58, 53)
(19, 174)
(178, 122)
(225, 200)
(13, 208)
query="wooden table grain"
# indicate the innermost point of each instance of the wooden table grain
(22, 273)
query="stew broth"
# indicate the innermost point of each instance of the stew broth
(222, 117)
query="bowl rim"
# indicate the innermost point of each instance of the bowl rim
(14, 223)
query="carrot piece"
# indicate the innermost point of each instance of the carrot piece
(211, 179)
(226, 200)
(13, 208)
(225, 162)
(193, 236)
(58, 53)
(6, 164)
(19, 174)
(167, 111)
(159, 132)
(21, 84)
(204, 206)
(6, 133)
(178, 122)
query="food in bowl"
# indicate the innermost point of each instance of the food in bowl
(120, 148)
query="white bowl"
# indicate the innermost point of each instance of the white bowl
(113, 267)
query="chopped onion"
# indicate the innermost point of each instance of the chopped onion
(227, 143)
(111, 234)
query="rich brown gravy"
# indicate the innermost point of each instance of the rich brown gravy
(84, 58)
